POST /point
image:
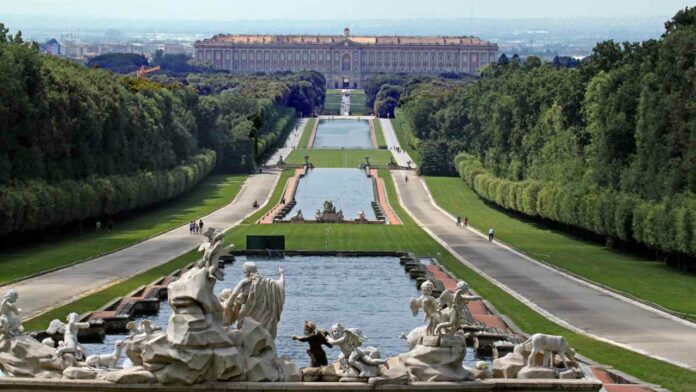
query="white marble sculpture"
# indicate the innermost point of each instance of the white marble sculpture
(549, 346)
(456, 301)
(20, 354)
(10, 319)
(255, 297)
(355, 360)
(107, 361)
(429, 305)
(70, 344)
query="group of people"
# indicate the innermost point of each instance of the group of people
(196, 228)
(465, 223)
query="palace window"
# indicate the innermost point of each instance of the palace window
(345, 63)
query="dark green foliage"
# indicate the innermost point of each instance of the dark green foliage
(36, 204)
(179, 64)
(122, 63)
(387, 100)
(62, 121)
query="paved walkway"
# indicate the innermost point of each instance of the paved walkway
(290, 143)
(402, 158)
(580, 306)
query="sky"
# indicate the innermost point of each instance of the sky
(345, 9)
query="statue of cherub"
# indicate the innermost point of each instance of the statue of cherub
(70, 344)
(10, 320)
(456, 302)
(349, 340)
(315, 338)
(429, 305)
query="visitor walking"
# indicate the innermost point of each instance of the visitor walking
(466, 221)
(459, 220)
(406, 178)
(491, 235)
(191, 227)
(200, 226)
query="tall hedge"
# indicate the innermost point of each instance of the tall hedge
(36, 204)
(668, 224)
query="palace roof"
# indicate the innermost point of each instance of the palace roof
(244, 39)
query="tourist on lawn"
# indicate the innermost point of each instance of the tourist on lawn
(491, 235)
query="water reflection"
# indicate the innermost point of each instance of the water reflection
(370, 293)
(352, 134)
(350, 190)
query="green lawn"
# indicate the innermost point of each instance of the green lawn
(379, 134)
(332, 102)
(357, 102)
(649, 280)
(307, 133)
(340, 158)
(407, 237)
(212, 193)
(405, 135)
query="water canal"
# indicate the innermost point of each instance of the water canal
(350, 190)
(369, 293)
(348, 134)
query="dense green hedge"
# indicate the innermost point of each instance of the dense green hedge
(35, 204)
(668, 225)
(278, 121)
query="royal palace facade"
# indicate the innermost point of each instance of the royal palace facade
(346, 61)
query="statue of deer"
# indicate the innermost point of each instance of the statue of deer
(107, 361)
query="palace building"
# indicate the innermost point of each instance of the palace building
(346, 61)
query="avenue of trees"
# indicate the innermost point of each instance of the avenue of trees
(607, 145)
(80, 143)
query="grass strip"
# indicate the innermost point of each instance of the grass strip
(307, 133)
(379, 134)
(212, 193)
(339, 158)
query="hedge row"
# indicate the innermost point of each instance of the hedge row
(668, 225)
(280, 122)
(35, 204)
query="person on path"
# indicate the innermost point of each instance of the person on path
(459, 220)
(200, 226)
(466, 221)
(406, 178)
(191, 227)
(491, 235)
(98, 225)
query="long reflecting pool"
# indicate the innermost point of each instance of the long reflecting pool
(369, 293)
(351, 134)
(350, 190)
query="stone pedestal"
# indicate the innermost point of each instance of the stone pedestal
(535, 372)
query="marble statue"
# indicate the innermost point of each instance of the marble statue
(10, 320)
(20, 354)
(429, 305)
(548, 346)
(456, 302)
(316, 339)
(255, 297)
(361, 216)
(298, 216)
(107, 361)
(364, 362)
(70, 344)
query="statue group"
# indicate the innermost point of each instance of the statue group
(231, 337)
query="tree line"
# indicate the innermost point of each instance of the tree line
(607, 145)
(80, 142)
